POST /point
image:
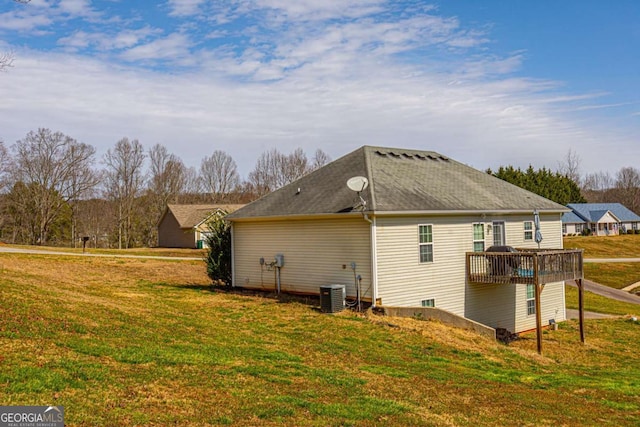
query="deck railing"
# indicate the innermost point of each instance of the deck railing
(526, 266)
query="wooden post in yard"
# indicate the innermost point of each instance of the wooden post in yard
(537, 302)
(581, 307)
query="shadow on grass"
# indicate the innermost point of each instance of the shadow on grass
(312, 301)
(188, 286)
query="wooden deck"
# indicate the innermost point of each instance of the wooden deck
(530, 266)
(527, 266)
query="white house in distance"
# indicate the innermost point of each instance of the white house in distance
(603, 219)
(403, 239)
(184, 226)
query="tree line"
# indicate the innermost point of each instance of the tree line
(567, 185)
(55, 191)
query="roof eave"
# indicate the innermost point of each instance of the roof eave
(394, 213)
(470, 212)
(298, 216)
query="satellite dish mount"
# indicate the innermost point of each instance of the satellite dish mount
(358, 184)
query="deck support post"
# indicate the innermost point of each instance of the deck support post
(581, 307)
(538, 289)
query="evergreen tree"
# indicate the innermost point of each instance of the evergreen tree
(218, 239)
(551, 185)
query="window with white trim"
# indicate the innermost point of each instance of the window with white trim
(478, 237)
(425, 233)
(528, 230)
(531, 299)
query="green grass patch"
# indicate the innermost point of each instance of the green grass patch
(131, 342)
(599, 304)
(616, 274)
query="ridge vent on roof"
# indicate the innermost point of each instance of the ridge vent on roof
(404, 155)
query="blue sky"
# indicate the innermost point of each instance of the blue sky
(487, 83)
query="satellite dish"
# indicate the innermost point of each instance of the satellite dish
(357, 183)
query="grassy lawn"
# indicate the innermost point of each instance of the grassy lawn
(615, 275)
(164, 252)
(624, 246)
(146, 342)
(600, 304)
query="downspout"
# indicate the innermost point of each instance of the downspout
(374, 258)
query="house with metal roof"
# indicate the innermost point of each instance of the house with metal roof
(395, 227)
(184, 226)
(601, 219)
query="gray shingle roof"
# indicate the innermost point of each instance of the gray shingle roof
(400, 180)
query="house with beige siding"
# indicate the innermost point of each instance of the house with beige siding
(184, 226)
(400, 241)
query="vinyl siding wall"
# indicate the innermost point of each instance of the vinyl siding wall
(505, 306)
(316, 253)
(170, 235)
(404, 281)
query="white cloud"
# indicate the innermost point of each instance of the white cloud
(485, 124)
(106, 42)
(23, 21)
(331, 75)
(174, 47)
(309, 10)
(76, 7)
(184, 7)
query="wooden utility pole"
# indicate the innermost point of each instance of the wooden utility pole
(536, 282)
(581, 307)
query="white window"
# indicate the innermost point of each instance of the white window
(564, 228)
(431, 302)
(579, 228)
(531, 299)
(528, 230)
(478, 237)
(426, 243)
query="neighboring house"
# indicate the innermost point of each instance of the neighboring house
(603, 219)
(184, 226)
(402, 240)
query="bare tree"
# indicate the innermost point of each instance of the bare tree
(169, 176)
(56, 171)
(293, 166)
(570, 167)
(192, 183)
(219, 175)
(168, 180)
(320, 158)
(628, 188)
(599, 181)
(4, 166)
(6, 60)
(274, 170)
(264, 177)
(124, 182)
